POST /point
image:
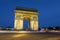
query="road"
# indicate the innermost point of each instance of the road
(26, 36)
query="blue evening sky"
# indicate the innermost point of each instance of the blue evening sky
(49, 11)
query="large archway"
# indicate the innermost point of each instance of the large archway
(26, 23)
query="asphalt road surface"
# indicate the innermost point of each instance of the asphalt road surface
(25, 36)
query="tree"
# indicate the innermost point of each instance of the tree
(39, 29)
(50, 28)
(57, 28)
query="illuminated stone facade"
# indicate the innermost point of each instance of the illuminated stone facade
(26, 13)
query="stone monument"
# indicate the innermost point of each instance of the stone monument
(29, 14)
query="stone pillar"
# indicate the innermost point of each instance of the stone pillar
(35, 26)
(15, 22)
(34, 23)
(21, 23)
(31, 23)
(18, 24)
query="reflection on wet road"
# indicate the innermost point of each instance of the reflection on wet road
(37, 36)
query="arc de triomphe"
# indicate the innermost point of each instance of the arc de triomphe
(26, 13)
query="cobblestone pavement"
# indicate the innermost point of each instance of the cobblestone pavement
(37, 36)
